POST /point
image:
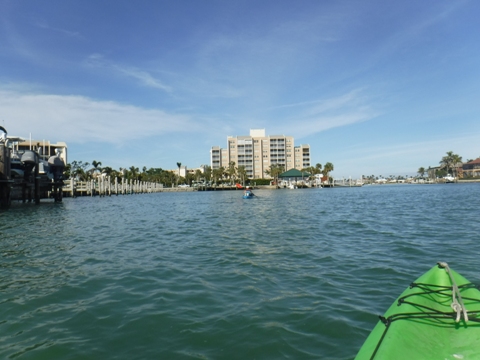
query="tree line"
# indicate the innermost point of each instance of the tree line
(451, 163)
(234, 173)
(85, 171)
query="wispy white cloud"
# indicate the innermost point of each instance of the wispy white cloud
(44, 25)
(80, 119)
(441, 14)
(315, 107)
(144, 77)
(413, 32)
(316, 116)
(254, 60)
(315, 125)
(17, 44)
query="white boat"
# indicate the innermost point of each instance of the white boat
(449, 178)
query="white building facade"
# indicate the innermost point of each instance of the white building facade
(257, 152)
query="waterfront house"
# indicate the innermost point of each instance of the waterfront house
(471, 168)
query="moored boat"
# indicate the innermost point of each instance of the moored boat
(437, 317)
(449, 179)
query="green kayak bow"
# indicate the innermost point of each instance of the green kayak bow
(437, 317)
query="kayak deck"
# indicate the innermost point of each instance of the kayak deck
(423, 324)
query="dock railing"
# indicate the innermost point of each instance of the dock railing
(105, 187)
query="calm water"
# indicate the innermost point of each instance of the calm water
(292, 274)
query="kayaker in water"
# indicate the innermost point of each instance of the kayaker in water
(248, 192)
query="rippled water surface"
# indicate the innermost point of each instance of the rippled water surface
(291, 274)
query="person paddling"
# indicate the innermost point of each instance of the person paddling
(248, 192)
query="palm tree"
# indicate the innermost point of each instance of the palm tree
(107, 170)
(189, 178)
(451, 161)
(78, 170)
(327, 168)
(242, 173)
(231, 171)
(217, 174)
(133, 173)
(169, 178)
(96, 164)
(96, 167)
(198, 175)
(421, 171)
(208, 173)
(224, 174)
(456, 163)
(446, 161)
(274, 171)
(179, 164)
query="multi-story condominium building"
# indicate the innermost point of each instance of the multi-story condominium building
(302, 156)
(257, 152)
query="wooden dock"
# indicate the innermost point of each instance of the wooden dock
(104, 187)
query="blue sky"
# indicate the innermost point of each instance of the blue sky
(375, 87)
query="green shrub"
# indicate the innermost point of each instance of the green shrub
(260, 181)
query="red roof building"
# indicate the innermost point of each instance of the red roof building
(471, 168)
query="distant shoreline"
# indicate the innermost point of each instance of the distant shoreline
(469, 181)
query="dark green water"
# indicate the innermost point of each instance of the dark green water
(292, 274)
